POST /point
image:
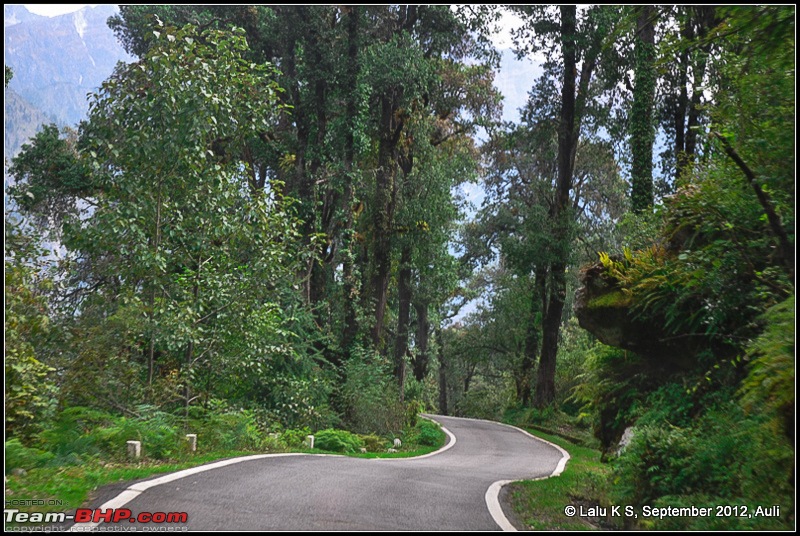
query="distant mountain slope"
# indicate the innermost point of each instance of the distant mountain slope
(57, 61)
(21, 121)
(14, 14)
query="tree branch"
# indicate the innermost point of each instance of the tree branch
(787, 249)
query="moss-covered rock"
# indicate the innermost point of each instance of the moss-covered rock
(606, 310)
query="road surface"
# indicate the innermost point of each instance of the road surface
(443, 491)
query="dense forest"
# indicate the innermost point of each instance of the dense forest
(261, 227)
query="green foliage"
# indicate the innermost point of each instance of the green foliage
(373, 443)
(610, 391)
(19, 456)
(427, 433)
(770, 384)
(337, 441)
(180, 250)
(51, 179)
(668, 405)
(576, 344)
(228, 429)
(159, 433)
(370, 396)
(714, 274)
(69, 435)
(295, 438)
(485, 401)
(79, 435)
(724, 457)
(30, 391)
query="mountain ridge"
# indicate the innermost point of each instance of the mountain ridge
(57, 62)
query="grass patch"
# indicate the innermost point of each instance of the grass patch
(540, 504)
(553, 422)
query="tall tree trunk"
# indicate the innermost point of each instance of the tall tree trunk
(705, 16)
(151, 357)
(525, 387)
(316, 220)
(383, 214)
(697, 23)
(188, 357)
(443, 409)
(679, 114)
(642, 127)
(350, 283)
(567, 143)
(403, 319)
(422, 358)
(545, 393)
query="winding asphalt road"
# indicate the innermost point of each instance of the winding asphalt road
(443, 491)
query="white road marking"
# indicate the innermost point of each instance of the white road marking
(135, 490)
(492, 496)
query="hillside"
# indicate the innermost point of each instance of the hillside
(56, 62)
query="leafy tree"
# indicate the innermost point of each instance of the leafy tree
(30, 391)
(180, 248)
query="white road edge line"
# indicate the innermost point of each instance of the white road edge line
(492, 496)
(135, 490)
(448, 446)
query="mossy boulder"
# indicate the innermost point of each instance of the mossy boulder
(606, 310)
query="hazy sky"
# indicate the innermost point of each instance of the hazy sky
(51, 10)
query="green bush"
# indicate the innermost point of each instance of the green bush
(295, 438)
(428, 433)
(158, 432)
(337, 441)
(485, 401)
(370, 395)
(724, 457)
(373, 443)
(70, 438)
(655, 463)
(229, 430)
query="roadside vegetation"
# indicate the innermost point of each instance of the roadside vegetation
(707, 459)
(88, 450)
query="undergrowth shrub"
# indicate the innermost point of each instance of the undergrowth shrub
(725, 457)
(426, 433)
(22, 457)
(337, 441)
(370, 396)
(373, 443)
(229, 430)
(295, 438)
